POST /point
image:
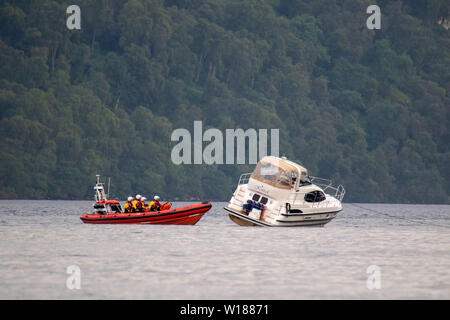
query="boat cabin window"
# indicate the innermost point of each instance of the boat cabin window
(284, 179)
(315, 196)
(268, 171)
(264, 200)
(278, 176)
(255, 197)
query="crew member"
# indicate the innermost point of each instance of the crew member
(155, 205)
(140, 205)
(144, 206)
(129, 205)
(137, 199)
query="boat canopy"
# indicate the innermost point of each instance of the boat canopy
(278, 172)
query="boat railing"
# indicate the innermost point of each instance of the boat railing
(243, 179)
(327, 187)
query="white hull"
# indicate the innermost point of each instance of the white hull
(287, 220)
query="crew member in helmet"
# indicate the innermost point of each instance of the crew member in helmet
(136, 201)
(129, 205)
(140, 205)
(155, 205)
(144, 206)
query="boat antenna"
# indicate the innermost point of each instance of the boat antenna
(109, 183)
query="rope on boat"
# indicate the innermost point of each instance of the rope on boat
(402, 218)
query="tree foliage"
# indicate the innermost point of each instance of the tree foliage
(369, 108)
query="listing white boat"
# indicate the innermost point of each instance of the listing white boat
(280, 193)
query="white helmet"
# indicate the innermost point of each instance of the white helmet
(130, 198)
(143, 198)
(156, 198)
(138, 197)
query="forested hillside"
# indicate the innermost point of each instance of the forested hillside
(367, 108)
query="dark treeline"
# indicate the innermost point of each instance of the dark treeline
(367, 108)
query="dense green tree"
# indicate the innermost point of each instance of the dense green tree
(369, 108)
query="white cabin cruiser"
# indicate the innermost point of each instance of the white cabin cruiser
(281, 193)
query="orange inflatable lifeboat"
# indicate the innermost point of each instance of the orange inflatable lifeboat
(110, 212)
(185, 215)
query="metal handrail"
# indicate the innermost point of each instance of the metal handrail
(326, 184)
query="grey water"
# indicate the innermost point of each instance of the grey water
(216, 259)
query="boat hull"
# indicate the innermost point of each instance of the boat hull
(244, 220)
(188, 215)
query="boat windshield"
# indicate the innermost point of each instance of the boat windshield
(115, 208)
(278, 175)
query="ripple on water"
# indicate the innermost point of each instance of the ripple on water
(217, 259)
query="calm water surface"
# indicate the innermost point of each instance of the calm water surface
(217, 259)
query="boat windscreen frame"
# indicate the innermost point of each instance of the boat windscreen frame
(114, 208)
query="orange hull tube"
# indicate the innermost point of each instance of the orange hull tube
(189, 215)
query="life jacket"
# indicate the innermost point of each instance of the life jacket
(155, 206)
(136, 203)
(129, 206)
(139, 206)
